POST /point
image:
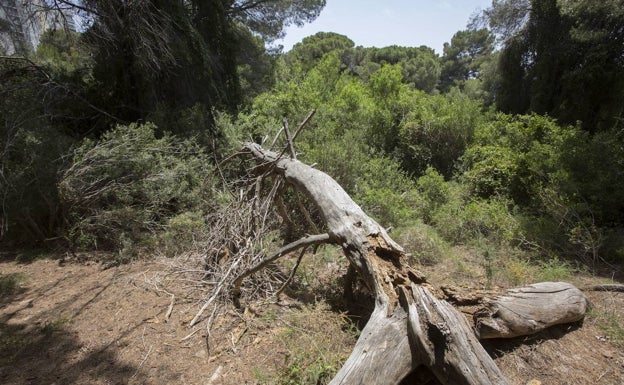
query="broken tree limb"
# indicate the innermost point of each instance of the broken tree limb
(303, 242)
(409, 326)
(291, 145)
(530, 309)
(607, 287)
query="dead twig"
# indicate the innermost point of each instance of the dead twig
(291, 145)
(303, 242)
(170, 308)
(292, 273)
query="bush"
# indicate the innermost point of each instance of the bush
(464, 219)
(437, 130)
(386, 193)
(423, 243)
(515, 156)
(130, 186)
(434, 192)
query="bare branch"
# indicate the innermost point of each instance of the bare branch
(303, 242)
(291, 146)
(292, 273)
(303, 123)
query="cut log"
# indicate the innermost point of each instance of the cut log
(530, 309)
(409, 326)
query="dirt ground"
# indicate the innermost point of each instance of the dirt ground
(79, 323)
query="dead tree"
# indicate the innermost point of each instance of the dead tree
(409, 327)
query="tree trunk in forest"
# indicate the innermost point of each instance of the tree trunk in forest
(530, 309)
(409, 326)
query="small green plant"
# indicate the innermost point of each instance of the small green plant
(423, 242)
(554, 270)
(50, 327)
(489, 268)
(517, 271)
(610, 319)
(9, 283)
(316, 341)
(303, 369)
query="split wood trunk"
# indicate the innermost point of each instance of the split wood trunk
(530, 309)
(409, 326)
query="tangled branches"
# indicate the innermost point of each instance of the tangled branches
(235, 259)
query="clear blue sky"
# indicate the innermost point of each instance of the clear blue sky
(380, 23)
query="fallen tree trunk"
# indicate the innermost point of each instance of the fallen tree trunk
(530, 309)
(409, 326)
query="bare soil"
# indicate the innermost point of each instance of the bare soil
(82, 323)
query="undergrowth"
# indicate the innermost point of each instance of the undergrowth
(315, 342)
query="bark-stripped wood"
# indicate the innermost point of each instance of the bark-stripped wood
(409, 326)
(530, 309)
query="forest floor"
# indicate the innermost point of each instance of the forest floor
(69, 322)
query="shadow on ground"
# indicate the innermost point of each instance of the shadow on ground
(41, 348)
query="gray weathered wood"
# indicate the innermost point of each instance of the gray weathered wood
(409, 326)
(530, 309)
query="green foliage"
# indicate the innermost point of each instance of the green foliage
(269, 18)
(32, 153)
(9, 283)
(419, 66)
(386, 83)
(515, 156)
(63, 53)
(130, 186)
(463, 58)
(561, 58)
(255, 66)
(594, 167)
(461, 221)
(460, 217)
(302, 370)
(554, 270)
(423, 242)
(311, 50)
(610, 320)
(315, 341)
(386, 193)
(436, 131)
(434, 192)
(492, 170)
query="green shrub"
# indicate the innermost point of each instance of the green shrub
(123, 190)
(515, 156)
(464, 219)
(434, 192)
(436, 131)
(423, 243)
(9, 283)
(492, 170)
(386, 193)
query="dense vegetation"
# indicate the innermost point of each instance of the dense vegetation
(510, 140)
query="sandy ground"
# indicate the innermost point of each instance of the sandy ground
(79, 323)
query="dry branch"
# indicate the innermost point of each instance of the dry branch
(612, 287)
(303, 242)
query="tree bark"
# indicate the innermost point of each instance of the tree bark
(409, 326)
(530, 309)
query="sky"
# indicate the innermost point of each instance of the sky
(380, 23)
